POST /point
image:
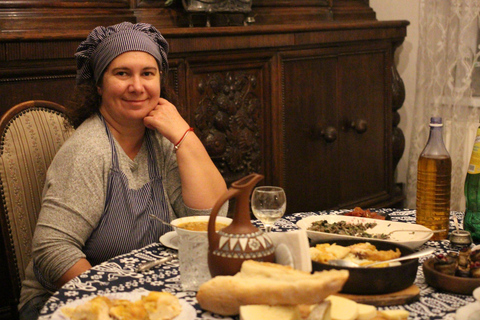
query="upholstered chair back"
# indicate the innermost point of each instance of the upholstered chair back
(30, 135)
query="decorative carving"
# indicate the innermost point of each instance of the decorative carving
(398, 98)
(212, 7)
(40, 78)
(228, 122)
(218, 5)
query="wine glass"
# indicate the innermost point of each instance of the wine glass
(268, 205)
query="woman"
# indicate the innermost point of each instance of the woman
(131, 155)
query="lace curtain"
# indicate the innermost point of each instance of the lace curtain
(446, 81)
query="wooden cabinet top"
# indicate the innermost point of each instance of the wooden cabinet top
(25, 20)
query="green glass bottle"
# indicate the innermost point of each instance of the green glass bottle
(471, 221)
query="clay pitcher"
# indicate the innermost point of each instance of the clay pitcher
(240, 241)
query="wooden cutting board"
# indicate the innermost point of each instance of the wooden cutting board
(405, 296)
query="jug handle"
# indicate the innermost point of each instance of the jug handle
(213, 237)
(235, 189)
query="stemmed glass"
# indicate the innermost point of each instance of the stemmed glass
(268, 205)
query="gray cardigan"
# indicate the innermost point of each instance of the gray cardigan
(74, 198)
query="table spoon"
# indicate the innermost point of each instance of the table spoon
(455, 220)
(351, 264)
(162, 221)
(413, 231)
(149, 265)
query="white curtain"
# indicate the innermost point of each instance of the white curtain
(447, 75)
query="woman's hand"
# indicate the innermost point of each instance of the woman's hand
(202, 183)
(166, 119)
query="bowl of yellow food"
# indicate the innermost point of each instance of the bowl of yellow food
(381, 279)
(198, 224)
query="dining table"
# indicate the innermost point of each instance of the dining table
(118, 275)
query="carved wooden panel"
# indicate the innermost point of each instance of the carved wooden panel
(150, 3)
(30, 52)
(228, 110)
(51, 88)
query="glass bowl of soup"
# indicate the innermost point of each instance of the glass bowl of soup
(198, 224)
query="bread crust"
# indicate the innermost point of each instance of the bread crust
(269, 284)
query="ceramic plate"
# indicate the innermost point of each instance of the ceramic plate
(170, 240)
(412, 239)
(471, 310)
(188, 312)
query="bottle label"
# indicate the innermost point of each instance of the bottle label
(474, 166)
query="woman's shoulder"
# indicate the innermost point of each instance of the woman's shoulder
(89, 140)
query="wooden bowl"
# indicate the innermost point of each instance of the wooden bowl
(376, 280)
(446, 282)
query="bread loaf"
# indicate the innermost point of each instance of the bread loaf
(268, 284)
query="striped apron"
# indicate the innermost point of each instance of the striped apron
(125, 224)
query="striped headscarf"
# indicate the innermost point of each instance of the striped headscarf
(104, 44)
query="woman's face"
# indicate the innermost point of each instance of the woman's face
(130, 87)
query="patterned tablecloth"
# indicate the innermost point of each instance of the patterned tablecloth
(118, 275)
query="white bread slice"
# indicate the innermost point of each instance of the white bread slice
(268, 284)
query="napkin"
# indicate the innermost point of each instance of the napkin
(292, 248)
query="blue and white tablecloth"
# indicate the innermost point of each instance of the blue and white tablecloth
(118, 275)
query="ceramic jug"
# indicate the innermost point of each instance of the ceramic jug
(241, 240)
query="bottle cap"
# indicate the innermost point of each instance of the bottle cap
(436, 122)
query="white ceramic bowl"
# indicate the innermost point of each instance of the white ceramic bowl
(175, 223)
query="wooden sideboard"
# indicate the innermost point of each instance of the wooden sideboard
(307, 95)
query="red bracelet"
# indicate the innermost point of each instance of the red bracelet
(177, 145)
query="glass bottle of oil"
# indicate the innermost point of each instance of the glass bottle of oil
(434, 183)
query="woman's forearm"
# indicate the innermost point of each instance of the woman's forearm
(202, 183)
(79, 267)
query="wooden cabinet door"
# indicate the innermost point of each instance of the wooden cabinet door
(311, 132)
(365, 128)
(337, 128)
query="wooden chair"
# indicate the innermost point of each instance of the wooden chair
(30, 135)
